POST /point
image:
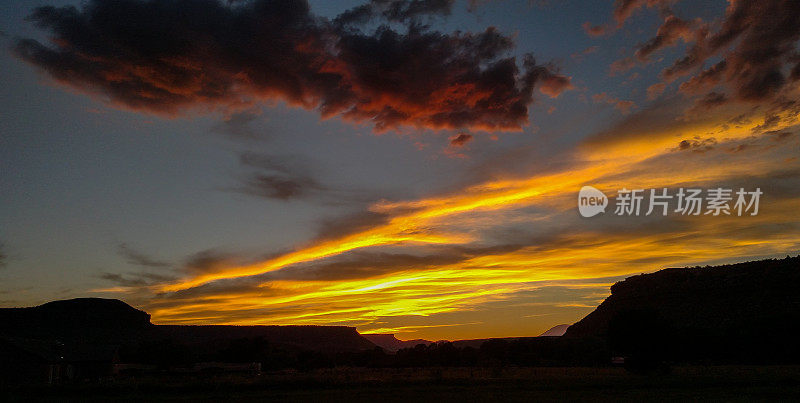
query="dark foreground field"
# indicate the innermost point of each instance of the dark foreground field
(718, 383)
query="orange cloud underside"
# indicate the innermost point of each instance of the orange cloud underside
(455, 220)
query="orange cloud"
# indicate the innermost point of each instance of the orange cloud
(247, 52)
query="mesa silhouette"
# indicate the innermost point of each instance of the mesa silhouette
(89, 320)
(736, 313)
(746, 313)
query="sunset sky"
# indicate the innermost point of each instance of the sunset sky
(401, 166)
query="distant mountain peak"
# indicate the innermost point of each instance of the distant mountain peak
(557, 330)
(389, 342)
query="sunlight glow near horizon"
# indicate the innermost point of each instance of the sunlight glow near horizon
(414, 190)
(474, 281)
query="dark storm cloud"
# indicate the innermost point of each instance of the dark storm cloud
(394, 10)
(138, 258)
(167, 56)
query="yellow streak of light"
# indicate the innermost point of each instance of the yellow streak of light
(488, 277)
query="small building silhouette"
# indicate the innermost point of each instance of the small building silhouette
(31, 361)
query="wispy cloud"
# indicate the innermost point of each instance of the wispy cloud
(511, 237)
(2, 255)
(442, 255)
(276, 177)
(752, 52)
(291, 177)
(138, 258)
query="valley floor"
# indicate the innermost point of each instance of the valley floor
(714, 383)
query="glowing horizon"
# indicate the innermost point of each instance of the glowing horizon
(400, 169)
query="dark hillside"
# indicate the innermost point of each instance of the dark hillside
(746, 312)
(389, 342)
(110, 321)
(80, 319)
